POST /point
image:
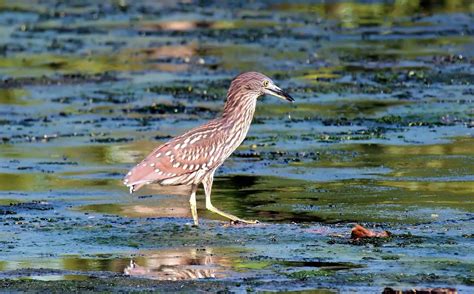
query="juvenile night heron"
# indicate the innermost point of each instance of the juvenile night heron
(192, 158)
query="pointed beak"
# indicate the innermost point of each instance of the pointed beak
(276, 91)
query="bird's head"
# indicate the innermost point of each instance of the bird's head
(255, 84)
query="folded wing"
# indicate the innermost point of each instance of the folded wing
(181, 161)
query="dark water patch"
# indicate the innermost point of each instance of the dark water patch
(58, 163)
(158, 109)
(111, 140)
(287, 156)
(64, 79)
(14, 208)
(66, 30)
(325, 265)
(24, 168)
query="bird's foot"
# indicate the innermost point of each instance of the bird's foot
(243, 221)
(192, 224)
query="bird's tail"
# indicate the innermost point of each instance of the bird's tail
(137, 177)
(135, 187)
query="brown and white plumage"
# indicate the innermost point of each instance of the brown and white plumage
(192, 158)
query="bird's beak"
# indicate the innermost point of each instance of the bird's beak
(276, 91)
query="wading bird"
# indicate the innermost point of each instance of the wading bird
(192, 158)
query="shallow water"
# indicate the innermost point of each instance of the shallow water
(380, 134)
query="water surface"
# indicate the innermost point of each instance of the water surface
(380, 134)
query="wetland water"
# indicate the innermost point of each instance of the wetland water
(380, 134)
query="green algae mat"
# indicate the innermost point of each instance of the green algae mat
(381, 134)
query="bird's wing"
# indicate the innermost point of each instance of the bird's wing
(177, 161)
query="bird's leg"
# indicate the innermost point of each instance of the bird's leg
(192, 202)
(207, 183)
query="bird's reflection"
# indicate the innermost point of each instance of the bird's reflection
(178, 264)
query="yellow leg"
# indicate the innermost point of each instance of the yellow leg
(207, 183)
(192, 202)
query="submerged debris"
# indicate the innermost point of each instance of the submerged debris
(359, 232)
(421, 291)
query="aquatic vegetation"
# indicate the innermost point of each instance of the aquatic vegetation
(381, 135)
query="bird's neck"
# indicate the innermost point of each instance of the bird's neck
(237, 117)
(239, 110)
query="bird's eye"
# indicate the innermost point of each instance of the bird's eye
(265, 84)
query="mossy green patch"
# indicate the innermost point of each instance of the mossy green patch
(307, 274)
(250, 265)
